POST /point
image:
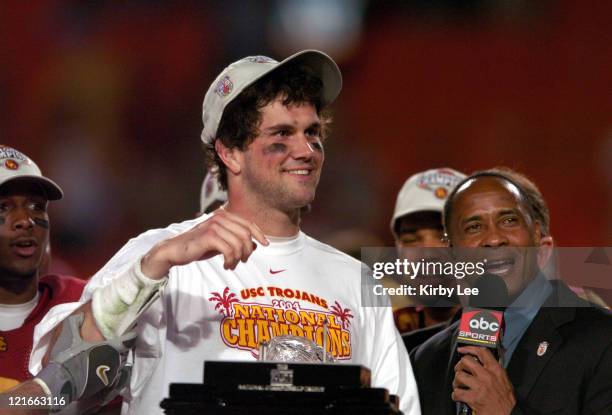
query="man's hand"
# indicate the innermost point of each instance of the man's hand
(482, 383)
(224, 233)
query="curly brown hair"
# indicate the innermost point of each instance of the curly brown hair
(239, 124)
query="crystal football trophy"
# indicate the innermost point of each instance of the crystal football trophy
(288, 348)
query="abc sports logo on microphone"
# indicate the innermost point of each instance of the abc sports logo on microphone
(480, 327)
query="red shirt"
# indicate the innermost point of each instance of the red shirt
(15, 345)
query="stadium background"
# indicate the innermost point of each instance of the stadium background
(106, 97)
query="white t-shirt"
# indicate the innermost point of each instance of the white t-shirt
(12, 316)
(208, 313)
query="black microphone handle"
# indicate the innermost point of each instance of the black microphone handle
(464, 408)
(494, 295)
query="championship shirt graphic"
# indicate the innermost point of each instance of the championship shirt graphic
(247, 322)
(6, 383)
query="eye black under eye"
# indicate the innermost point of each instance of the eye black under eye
(277, 147)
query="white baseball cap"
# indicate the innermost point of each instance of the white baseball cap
(425, 191)
(16, 166)
(240, 74)
(211, 192)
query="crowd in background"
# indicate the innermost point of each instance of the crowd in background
(105, 97)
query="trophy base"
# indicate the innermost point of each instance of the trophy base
(195, 399)
(279, 388)
(242, 375)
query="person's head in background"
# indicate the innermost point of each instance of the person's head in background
(417, 218)
(24, 224)
(416, 225)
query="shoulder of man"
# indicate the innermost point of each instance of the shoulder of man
(590, 322)
(414, 338)
(434, 347)
(573, 313)
(133, 250)
(171, 230)
(63, 287)
(331, 251)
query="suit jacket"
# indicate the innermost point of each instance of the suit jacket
(572, 377)
(415, 338)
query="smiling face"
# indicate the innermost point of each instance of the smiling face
(489, 213)
(280, 168)
(24, 230)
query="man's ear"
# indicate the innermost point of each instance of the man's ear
(546, 244)
(547, 241)
(540, 239)
(231, 157)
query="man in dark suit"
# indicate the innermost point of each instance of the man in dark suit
(558, 349)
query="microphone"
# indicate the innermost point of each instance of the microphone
(482, 323)
(492, 293)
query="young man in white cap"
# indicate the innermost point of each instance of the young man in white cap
(417, 224)
(246, 273)
(25, 295)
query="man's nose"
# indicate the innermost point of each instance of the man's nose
(494, 238)
(22, 220)
(302, 147)
(433, 241)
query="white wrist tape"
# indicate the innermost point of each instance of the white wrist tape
(117, 306)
